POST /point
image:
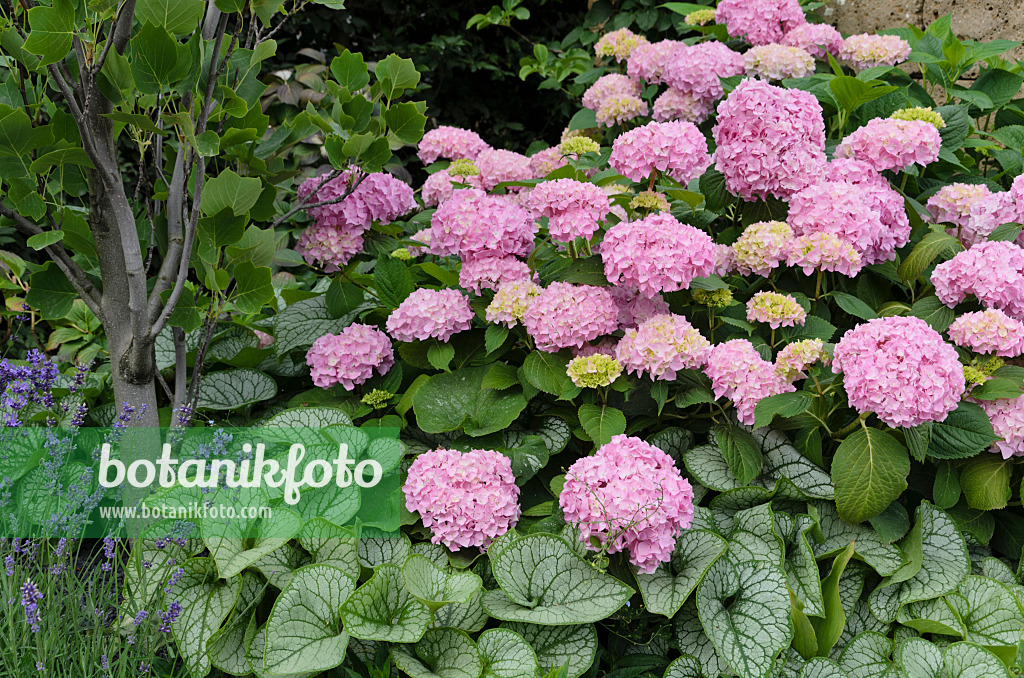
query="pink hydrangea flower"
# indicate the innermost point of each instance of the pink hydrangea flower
(818, 39)
(265, 339)
(487, 272)
(952, 204)
(1007, 416)
(798, 356)
(543, 163)
(661, 346)
(647, 60)
(675, 105)
(991, 271)
(824, 252)
(511, 301)
(725, 259)
(450, 143)
(573, 208)
(565, 315)
(770, 140)
(888, 144)
(778, 62)
(610, 86)
(465, 499)
(605, 346)
(988, 213)
(989, 331)
(618, 44)
(472, 222)
(657, 254)
(866, 50)
(739, 373)
(437, 188)
(676, 148)
(778, 310)
(855, 172)
(498, 165)
(899, 368)
(349, 358)
(695, 70)
(759, 21)
(428, 313)
(617, 110)
(629, 496)
(329, 246)
(634, 308)
(761, 247)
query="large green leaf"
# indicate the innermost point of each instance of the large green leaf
(178, 16)
(396, 75)
(382, 609)
(745, 611)
(206, 601)
(305, 321)
(442, 653)
(51, 292)
(665, 591)
(944, 565)
(921, 659)
(506, 654)
(393, 281)
(228, 190)
(447, 402)
(236, 544)
(691, 640)
(836, 534)
(302, 633)
(741, 452)
(601, 422)
(990, 612)
(965, 432)
(437, 586)
(232, 389)
(253, 288)
(867, 656)
(51, 32)
(870, 471)
(226, 647)
(572, 647)
(684, 667)
(544, 581)
(829, 628)
(547, 372)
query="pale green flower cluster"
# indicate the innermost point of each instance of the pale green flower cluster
(920, 113)
(712, 298)
(463, 168)
(700, 17)
(402, 254)
(578, 146)
(594, 370)
(377, 398)
(651, 201)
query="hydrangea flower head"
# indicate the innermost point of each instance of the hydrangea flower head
(952, 204)
(511, 301)
(991, 271)
(650, 201)
(450, 143)
(578, 146)
(428, 313)
(888, 144)
(634, 308)
(920, 113)
(739, 373)
(818, 40)
(777, 62)
(618, 44)
(565, 315)
(673, 104)
(677, 149)
(463, 168)
(759, 21)
(657, 254)
(466, 499)
(866, 50)
(472, 222)
(770, 140)
(798, 356)
(437, 188)
(617, 110)
(594, 370)
(610, 86)
(700, 17)
(628, 496)
(778, 310)
(328, 246)
(713, 298)
(695, 69)
(761, 247)
(989, 331)
(661, 346)
(987, 213)
(498, 165)
(647, 60)
(543, 163)
(1007, 416)
(824, 252)
(573, 208)
(899, 368)
(488, 272)
(349, 358)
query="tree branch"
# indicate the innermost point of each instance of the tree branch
(123, 29)
(304, 204)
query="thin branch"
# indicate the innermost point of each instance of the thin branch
(304, 204)
(180, 367)
(123, 30)
(163, 385)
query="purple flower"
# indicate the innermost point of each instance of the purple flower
(140, 617)
(175, 578)
(30, 597)
(9, 565)
(169, 617)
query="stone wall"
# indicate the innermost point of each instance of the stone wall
(972, 19)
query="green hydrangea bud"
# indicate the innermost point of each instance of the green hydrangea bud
(649, 200)
(377, 398)
(712, 298)
(463, 168)
(992, 365)
(594, 370)
(402, 254)
(578, 146)
(920, 113)
(973, 375)
(700, 17)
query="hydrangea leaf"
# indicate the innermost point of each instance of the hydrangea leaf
(547, 372)
(665, 591)
(506, 654)
(684, 667)
(601, 422)
(544, 581)
(469, 616)
(820, 667)
(442, 653)
(454, 400)
(382, 609)
(436, 586)
(745, 611)
(206, 601)
(691, 639)
(302, 633)
(990, 612)
(867, 656)
(868, 546)
(870, 471)
(226, 647)
(571, 647)
(945, 564)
